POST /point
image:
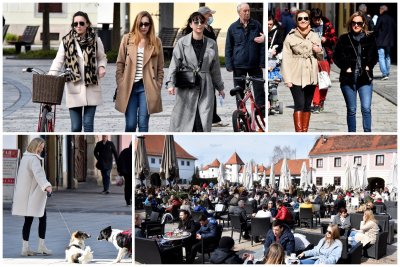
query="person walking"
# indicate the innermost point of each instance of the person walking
(124, 167)
(82, 51)
(301, 50)
(356, 55)
(243, 55)
(385, 35)
(30, 196)
(193, 108)
(324, 28)
(103, 152)
(139, 74)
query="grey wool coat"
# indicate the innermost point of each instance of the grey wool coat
(187, 100)
(29, 194)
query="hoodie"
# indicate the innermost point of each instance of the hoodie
(225, 256)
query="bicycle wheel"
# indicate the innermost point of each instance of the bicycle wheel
(43, 120)
(239, 122)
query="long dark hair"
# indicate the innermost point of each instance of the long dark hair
(193, 16)
(81, 14)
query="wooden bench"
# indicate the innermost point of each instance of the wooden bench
(53, 36)
(216, 32)
(167, 36)
(5, 29)
(26, 39)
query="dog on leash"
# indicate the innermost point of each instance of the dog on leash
(77, 252)
(122, 241)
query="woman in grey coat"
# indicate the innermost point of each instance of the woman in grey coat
(193, 108)
(342, 219)
(30, 195)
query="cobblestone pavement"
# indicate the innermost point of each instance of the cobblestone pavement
(333, 118)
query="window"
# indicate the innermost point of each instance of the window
(380, 160)
(53, 7)
(153, 160)
(319, 163)
(187, 163)
(336, 181)
(318, 181)
(182, 163)
(338, 162)
(357, 160)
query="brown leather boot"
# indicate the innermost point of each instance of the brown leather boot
(306, 121)
(297, 118)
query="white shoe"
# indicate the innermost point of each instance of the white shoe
(26, 250)
(42, 248)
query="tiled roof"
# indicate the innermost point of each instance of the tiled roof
(155, 146)
(234, 159)
(353, 143)
(294, 167)
(214, 164)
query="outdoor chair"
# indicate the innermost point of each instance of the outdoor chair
(155, 229)
(236, 225)
(196, 215)
(225, 217)
(26, 39)
(148, 210)
(355, 219)
(306, 215)
(317, 213)
(211, 247)
(387, 226)
(249, 209)
(147, 251)
(377, 250)
(167, 37)
(379, 209)
(259, 227)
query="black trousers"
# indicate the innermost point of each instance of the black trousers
(258, 87)
(216, 118)
(26, 229)
(128, 189)
(302, 97)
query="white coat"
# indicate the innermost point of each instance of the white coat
(29, 194)
(78, 95)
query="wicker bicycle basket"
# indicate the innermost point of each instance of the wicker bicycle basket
(47, 89)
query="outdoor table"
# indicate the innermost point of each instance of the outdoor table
(176, 237)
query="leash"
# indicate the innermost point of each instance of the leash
(62, 217)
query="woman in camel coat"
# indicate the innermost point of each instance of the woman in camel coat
(139, 74)
(30, 195)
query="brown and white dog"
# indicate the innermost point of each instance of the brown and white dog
(77, 252)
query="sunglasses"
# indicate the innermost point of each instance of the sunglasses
(81, 23)
(357, 23)
(146, 24)
(303, 18)
(198, 21)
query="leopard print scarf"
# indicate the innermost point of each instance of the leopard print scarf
(88, 45)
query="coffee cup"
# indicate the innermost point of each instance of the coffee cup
(293, 255)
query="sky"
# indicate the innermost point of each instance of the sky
(258, 147)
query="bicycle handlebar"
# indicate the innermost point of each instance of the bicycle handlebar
(248, 78)
(66, 72)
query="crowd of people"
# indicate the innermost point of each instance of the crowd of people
(305, 44)
(258, 202)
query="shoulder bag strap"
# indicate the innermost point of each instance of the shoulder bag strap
(202, 52)
(273, 38)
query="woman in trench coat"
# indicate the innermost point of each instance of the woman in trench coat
(139, 74)
(82, 51)
(30, 195)
(193, 110)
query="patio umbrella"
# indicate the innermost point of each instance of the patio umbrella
(272, 176)
(309, 178)
(250, 174)
(364, 182)
(303, 175)
(221, 175)
(263, 180)
(284, 181)
(392, 181)
(356, 178)
(142, 166)
(347, 177)
(169, 163)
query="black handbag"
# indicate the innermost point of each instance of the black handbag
(186, 77)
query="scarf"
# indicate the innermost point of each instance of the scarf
(88, 45)
(305, 32)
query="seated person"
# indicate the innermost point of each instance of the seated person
(264, 212)
(276, 254)
(240, 210)
(338, 204)
(225, 254)
(280, 233)
(301, 243)
(272, 208)
(369, 229)
(186, 223)
(199, 208)
(328, 250)
(283, 214)
(174, 206)
(186, 205)
(307, 204)
(138, 226)
(342, 219)
(207, 233)
(379, 202)
(371, 206)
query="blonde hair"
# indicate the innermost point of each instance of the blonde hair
(364, 27)
(151, 35)
(369, 216)
(34, 144)
(276, 254)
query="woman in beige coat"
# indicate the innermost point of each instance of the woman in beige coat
(83, 52)
(30, 195)
(139, 74)
(301, 49)
(369, 229)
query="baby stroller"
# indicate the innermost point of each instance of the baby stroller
(274, 78)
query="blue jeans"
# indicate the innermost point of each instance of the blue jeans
(88, 118)
(353, 234)
(106, 179)
(308, 261)
(136, 112)
(384, 60)
(350, 96)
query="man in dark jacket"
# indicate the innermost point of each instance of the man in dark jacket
(207, 233)
(186, 223)
(225, 254)
(103, 152)
(124, 167)
(280, 233)
(243, 55)
(241, 211)
(384, 29)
